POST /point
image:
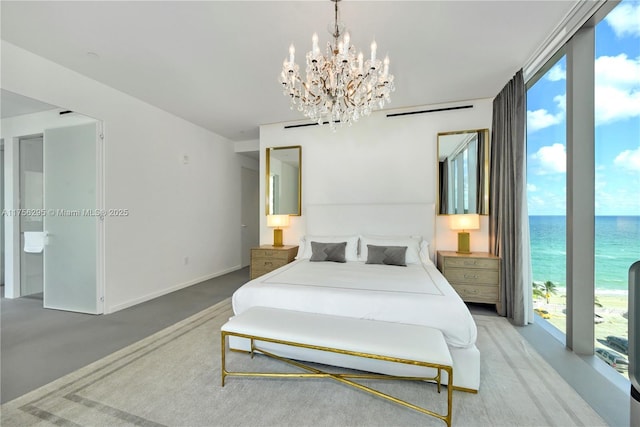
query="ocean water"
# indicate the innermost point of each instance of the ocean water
(617, 247)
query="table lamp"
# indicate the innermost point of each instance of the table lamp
(277, 221)
(464, 222)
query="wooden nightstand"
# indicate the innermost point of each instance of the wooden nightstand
(267, 258)
(475, 276)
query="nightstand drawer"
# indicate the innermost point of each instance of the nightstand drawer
(266, 258)
(487, 294)
(267, 264)
(484, 263)
(268, 254)
(471, 276)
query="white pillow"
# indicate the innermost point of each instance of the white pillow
(300, 248)
(411, 242)
(350, 253)
(424, 252)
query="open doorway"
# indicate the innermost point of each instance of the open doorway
(52, 185)
(30, 199)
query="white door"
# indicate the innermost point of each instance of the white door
(2, 209)
(71, 221)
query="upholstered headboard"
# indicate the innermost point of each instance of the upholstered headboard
(396, 219)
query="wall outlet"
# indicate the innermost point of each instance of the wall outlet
(186, 260)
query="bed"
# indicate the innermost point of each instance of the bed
(416, 293)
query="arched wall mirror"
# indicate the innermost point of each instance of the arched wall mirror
(463, 172)
(284, 179)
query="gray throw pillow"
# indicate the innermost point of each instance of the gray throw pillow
(328, 251)
(389, 255)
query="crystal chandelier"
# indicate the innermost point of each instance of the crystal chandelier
(339, 87)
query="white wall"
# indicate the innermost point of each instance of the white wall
(377, 160)
(184, 222)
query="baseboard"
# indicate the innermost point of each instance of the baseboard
(148, 297)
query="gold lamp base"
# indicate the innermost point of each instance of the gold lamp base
(464, 245)
(277, 237)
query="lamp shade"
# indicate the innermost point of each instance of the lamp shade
(277, 220)
(464, 222)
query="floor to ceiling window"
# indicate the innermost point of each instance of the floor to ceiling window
(617, 180)
(546, 188)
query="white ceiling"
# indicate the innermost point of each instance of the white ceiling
(216, 63)
(12, 104)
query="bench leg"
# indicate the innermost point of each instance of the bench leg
(223, 371)
(344, 378)
(447, 419)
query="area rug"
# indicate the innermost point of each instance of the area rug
(172, 378)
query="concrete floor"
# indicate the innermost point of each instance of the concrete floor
(40, 345)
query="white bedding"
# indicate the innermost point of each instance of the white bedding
(415, 294)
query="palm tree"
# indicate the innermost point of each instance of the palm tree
(537, 290)
(544, 290)
(549, 289)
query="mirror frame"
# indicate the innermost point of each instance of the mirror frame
(268, 173)
(485, 166)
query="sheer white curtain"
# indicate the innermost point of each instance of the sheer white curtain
(508, 216)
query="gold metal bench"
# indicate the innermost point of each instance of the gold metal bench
(393, 342)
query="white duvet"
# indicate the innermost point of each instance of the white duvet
(415, 294)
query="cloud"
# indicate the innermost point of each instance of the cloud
(535, 203)
(540, 119)
(617, 90)
(556, 73)
(600, 184)
(549, 203)
(551, 159)
(618, 201)
(532, 188)
(617, 94)
(629, 160)
(625, 20)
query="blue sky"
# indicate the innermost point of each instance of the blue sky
(617, 115)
